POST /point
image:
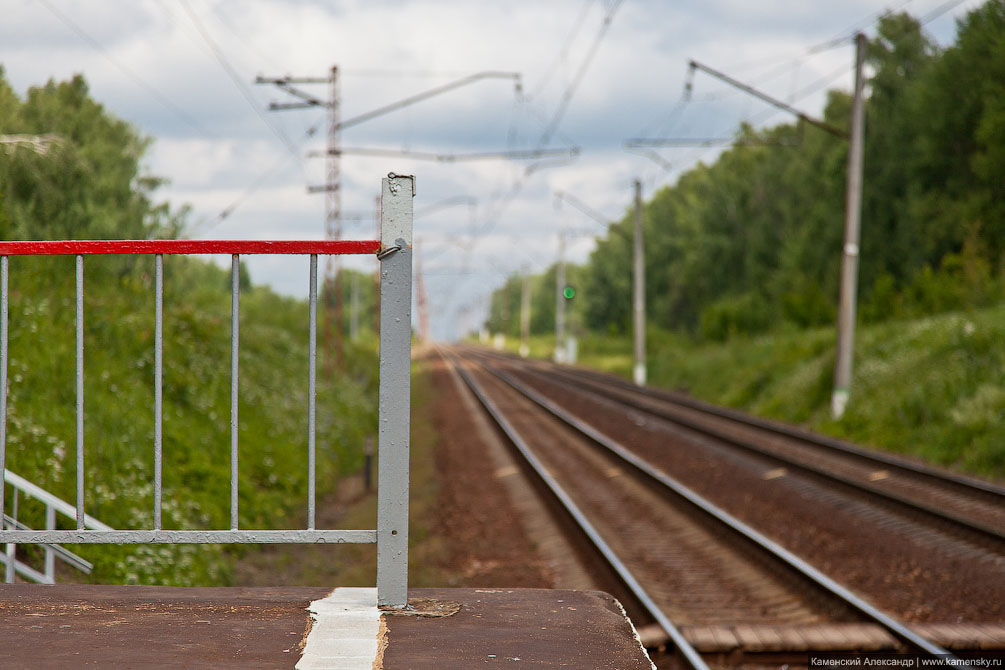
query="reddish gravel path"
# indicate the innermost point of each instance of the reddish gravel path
(475, 518)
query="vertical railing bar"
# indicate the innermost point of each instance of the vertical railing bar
(50, 555)
(80, 392)
(158, 384)
(312, 391)
(4, 271)
(11, 548)
(235, 297)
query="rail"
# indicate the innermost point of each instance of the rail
(394, 252)
(692, 658)
(721, 517)
(982, 532)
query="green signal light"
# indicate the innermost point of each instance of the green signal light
(569, 293)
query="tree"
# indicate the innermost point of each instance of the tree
(90, 184)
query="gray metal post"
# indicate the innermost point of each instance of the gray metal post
(639, 293)
(4, 326)
(525, 314)
(80, 392)
(235, 327)
(560, 300)
(852, 221)
(312, 390)
(158, 389)
(395, 381)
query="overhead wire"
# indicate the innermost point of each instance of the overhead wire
(841, 38)
(848, 34)
(232, 73)
(563, 52)
(797, 94)
(570, 90)
(844, 37)
(939, 11)
(766, 114)
(699, 152)
(499, 203)
(181, 114)
(249, 46)
(261, 180)
(132, 76)
(398, 74)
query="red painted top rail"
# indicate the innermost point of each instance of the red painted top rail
(92, 247)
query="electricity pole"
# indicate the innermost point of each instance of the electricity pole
(560, 300)
(566, 352)
(333, 152)
(852, 222)
(525, 315)
(420, 297)
(333, 218)
(639, 293)
(333, 197)
(853, 214)
(333, 221)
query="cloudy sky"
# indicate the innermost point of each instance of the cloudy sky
(592, 74)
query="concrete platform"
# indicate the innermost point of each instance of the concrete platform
(249, 628)
(520, 628)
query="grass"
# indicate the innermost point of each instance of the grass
(119, 398)
(932, 387)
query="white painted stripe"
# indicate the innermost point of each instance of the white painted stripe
(345, 631)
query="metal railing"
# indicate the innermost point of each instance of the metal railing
(53, 506)
(394, 251)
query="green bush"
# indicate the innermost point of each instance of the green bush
(744, 314)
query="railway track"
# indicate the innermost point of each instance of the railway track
(967, 503)
(690, 565)
(914, 563)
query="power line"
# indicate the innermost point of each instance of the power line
(842, 38)
(419, 97)
(563, 53)
(401, 74)
(939, 11)
(261, 180)
(847, 35)
(574, 84)
(250, 46)
(135, 78)
(820, 83)
(531, 107)
(235, 77)
(449, 158)
(499, 204)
